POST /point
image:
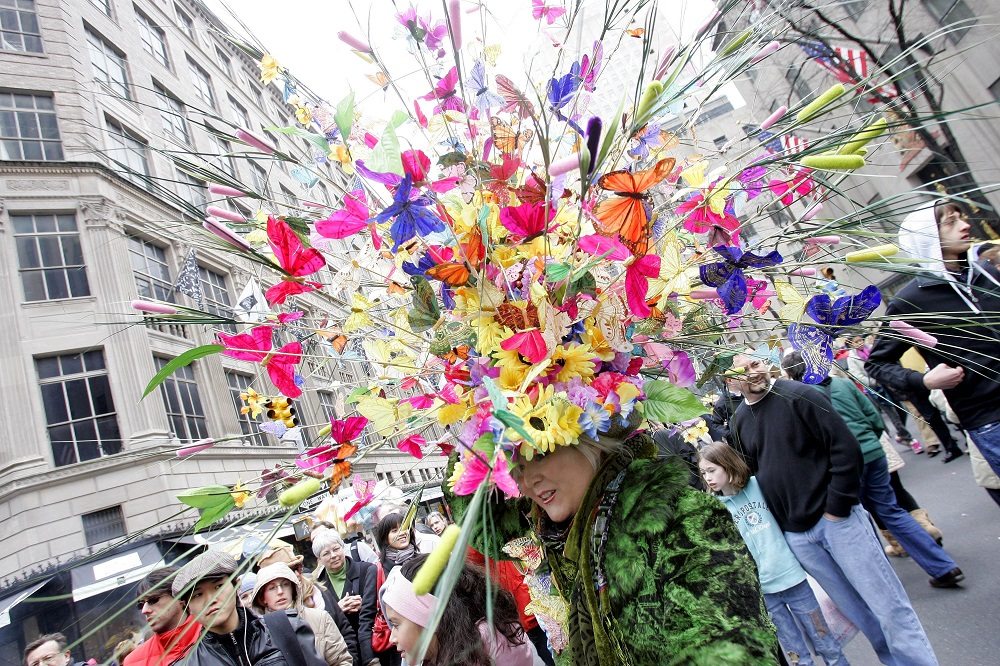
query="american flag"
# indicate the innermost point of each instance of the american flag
(848, 64)
(789, 143)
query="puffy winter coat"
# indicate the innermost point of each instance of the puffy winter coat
(251, 642)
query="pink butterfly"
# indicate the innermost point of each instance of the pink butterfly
(637, 277)
(346, 222)
(364, 490)
(539, 10)
(590, 67)
(515, 100)
(786, 190)
(530, 344)
(526, 221)
(412, 445)
(255, 346)
(444, 93)
(343, 432)
(422, 401)
(295, 259)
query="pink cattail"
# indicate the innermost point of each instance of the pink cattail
(251, 140)
(226, 191)
(707, 25)
(223, 232)
(564, 166)
(765, 51)
(668, 56)
(823, 240)
(913, 333)
(353, 42)
(774, 117)
(804, 272)
(455, 18)
(312, 204)
(197, 447)
(767, 291)
(811, 213)
(704, 294)
(215, 211)
(154, 307)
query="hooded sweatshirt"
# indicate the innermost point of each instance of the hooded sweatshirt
(962, 310)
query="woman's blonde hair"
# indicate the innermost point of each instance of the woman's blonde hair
(593, 449)
(731, 462)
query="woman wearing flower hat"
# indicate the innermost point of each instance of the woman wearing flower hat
(277, 589)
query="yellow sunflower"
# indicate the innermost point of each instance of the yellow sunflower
(550, 419)
(513, 369)
(574, 360)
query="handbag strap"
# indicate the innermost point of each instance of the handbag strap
(279, 625)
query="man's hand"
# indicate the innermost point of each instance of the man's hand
(833, 518)
(943, 377)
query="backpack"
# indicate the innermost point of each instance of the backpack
(288, 640)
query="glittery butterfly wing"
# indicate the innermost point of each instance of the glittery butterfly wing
(817, 352)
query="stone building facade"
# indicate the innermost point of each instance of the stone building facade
(88, 469)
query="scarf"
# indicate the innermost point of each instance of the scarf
(400, 555)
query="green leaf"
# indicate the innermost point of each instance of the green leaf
(344, 116)
(411, 513)
(184, 359)
(212, 514)
(584, 284)
(317, 140)
(557, 272)
(206, 497)
(356, 395)
(425, 312)
(512, 420)
(719, 364)
(493, 391)
(667, 403)
(385, 156)
(486, 445)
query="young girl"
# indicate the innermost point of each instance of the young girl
(782, 578)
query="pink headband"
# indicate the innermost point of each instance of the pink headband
(397, 593)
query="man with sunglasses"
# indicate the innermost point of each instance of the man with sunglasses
(174, 632)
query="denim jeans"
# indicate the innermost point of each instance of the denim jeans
(847, 560)
(799, 602)
(987, 440)
(878, 498)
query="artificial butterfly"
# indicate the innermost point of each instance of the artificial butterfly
(550, 13)
(388, 416)
(295, 260)
(515, 100)
(590, 67)
(445, 95)
(425, 312)
(728, 277)
(411, 216)
(256, 346)
(794, 302)
(627, 214)
(636, 32)
(815, 342)
(364, 492)
(380, 79)
(507, 139)
(483, 98)
(359, 317)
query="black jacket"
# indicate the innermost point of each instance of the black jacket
(251, 643)
(360, 580)
(967, 327)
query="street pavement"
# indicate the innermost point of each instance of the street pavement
(963, 624)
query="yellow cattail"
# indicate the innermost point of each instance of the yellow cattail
(653, 90)
(813, 108)
(834, 162)
(737, 42)
(299, 493)
(862, 138)
(434, 565)
(324, 431)
(877, 253)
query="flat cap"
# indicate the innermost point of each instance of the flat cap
(213, 564)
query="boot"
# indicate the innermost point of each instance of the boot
(892, 548)
(920, 515)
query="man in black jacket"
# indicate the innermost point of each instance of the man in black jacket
(233, 636)
(957, 301)
(350, 585)
(808, 465)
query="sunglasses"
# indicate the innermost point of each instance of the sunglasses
(152, 601)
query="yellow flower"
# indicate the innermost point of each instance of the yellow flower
(574, 360)
(513, 369)
(303, 115)
(254, 403)
(697, 432)
(448, 413)
(240, 494)
(489, 334)
(627, 392)
(269, 69)
(550, 419)
(597, 341)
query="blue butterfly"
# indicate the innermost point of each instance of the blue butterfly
(484, 98)
(410, 216)
(727, 275)
(305, 177)
(815, 342)
(561, 90)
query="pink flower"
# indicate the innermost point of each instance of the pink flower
(348, 221)
(411, 445)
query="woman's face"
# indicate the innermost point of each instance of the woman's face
(405, 634)
(399, 538)
(437, 524)
(278, 594)
(332, 557)
(556, 482)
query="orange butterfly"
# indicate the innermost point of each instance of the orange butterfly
(341, 468)
(380, 79)
(626, 215)
(636, 32)
(458, 353)
(459, 273)
(506, 139)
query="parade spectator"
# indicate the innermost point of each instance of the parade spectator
(350, 584)
(955, 297)
(277, 589)
(396, 545)
(887, 403)
(436, 522)
(49, 650)
(808, 465)
(122, 650)
(174, 632)
(247, 583)
(790, 601)
(464, 636)
(360, 550)
(876, 492)
(934, 431)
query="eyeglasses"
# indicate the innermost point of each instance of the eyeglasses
(48, 660)
(152, 601)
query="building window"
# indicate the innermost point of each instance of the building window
(217, 301)
(182, 403)
(104, 525)
(947, 12)
(287, 196)
(154, 40)
(129, 151)
(254, 90)
(224, 62)
(326, 403)
(28, 127)
(49, 257)
(259, 177)
(242, 117)
(109, 65)
(185, 21)
(202, 83)
(173, 115)
(103, 5)
(79, 409)
(798, 84)
(19, 26)
(191, 189)
(150, 270)
(238, 383)
(222, 153)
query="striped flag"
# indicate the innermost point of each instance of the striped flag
(793, 144)
(848, 64)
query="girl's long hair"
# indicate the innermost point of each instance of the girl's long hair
(459, 642)
(382, 529)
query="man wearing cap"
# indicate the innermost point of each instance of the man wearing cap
(174, 632)
(233, 636)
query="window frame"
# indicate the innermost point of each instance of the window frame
(191, 189)
(115, 516)
(214, 284)
(130, 143)
(194, 425)
(59, 234)
(249, 427)
(185, 21)
(202, 82)
(150, 32)
(173, 115)
(21, 33)
(12, 115)
(159, 258)
(104, 6)
(943, 17)
(97, 44)
(241, 112)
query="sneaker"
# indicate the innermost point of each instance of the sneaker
(950, 579)
(952, 456)
(915, 445)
